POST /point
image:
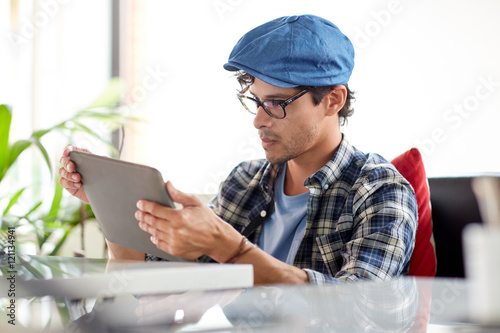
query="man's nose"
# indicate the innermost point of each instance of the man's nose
(262, 119)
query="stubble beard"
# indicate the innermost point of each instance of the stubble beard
(294, 148)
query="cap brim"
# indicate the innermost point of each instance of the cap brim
(233, 67)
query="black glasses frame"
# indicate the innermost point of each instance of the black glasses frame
(282, 103)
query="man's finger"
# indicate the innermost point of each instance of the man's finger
(154, 208)
(181, 197)
(154, 216)
(69, 185)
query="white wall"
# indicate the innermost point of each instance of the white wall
(426, 75)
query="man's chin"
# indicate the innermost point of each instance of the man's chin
(276, 160)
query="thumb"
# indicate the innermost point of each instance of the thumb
(181, 197)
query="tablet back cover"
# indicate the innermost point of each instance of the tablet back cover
(113, 188)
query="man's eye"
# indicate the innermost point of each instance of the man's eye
(272, 103)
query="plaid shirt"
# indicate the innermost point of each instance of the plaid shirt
(361, 215)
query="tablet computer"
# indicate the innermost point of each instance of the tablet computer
(113, 188)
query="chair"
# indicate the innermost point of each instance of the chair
(423, 259)
(453, 207)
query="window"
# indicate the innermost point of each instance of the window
(55, 60)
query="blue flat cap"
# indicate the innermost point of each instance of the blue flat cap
(293, 51)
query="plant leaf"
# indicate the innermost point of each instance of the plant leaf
(81, 127)
(16, 149)
(110, 97)
(106, 115)
(38, 134)
(36, 273)
(44, 153)
(13, 200)
(5, 120)
(102, 115)
(56, 200)
(38, 204)
(60, 242)
(87, 130)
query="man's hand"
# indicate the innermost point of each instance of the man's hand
(188, 232)
(70, 179)
(195, 230)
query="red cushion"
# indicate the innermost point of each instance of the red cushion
(423, 259)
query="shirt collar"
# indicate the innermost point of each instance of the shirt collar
(270, 176)
(333, 169)
(323, 178)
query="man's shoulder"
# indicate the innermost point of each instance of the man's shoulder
(377, 175)
(350, 167)
(365, 165)
(371, 169)
(374, 166)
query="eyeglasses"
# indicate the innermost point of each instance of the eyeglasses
(274, 108)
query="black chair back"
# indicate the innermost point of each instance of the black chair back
(454, 205)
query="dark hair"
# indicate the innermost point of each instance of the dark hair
(245, 79)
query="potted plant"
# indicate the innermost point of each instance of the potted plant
(48, 226)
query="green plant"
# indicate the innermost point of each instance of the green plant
(48, 228)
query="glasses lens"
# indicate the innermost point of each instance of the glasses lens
(274, 109)
(249, 104)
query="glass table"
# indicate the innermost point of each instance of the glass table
(406, 304)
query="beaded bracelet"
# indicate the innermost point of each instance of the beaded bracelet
(241, 250)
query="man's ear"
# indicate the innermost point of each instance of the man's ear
(335, 99)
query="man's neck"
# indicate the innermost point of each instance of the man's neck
(304, 166)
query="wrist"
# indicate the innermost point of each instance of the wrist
(224, 242)
(244, 247)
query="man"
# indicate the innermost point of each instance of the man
(318, 209)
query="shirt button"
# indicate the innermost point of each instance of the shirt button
(325, 187)
(263, 213)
